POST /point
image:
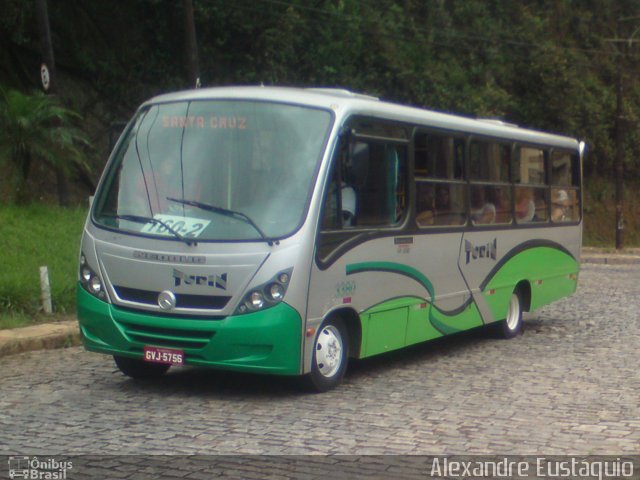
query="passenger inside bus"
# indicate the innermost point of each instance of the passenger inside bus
(446, 212)
(501, 199)
(525, 206)
(438, 208)
(424, 203)
(483, 212)
(560, 204)
(348, 205)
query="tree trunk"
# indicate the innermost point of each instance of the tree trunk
(62, 187)
(191, 45)
(21, 194)
(46, 47)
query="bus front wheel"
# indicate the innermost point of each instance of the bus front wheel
(139, 369)
(330, 356)
(511, 326)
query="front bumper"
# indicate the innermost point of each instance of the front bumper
(268, 341)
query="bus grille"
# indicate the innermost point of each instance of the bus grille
(167, 337)
(147, 297)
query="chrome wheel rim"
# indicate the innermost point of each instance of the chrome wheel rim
(513, 313)
(329, 351)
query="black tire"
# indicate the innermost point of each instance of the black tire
(139, 369)
(511, 326)
(330, 356)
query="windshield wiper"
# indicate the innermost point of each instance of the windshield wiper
(142, 219)
(224, 211)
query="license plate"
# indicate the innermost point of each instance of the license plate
(168, 356)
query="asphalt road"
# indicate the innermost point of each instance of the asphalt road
(569, 385)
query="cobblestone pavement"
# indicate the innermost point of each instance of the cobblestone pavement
(569, 385)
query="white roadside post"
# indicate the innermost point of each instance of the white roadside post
(46, 290)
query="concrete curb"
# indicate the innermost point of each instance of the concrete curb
(611, 259)
(39, 337)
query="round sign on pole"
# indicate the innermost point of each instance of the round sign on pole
(44, 76)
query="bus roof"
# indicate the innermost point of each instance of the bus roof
(345, 103)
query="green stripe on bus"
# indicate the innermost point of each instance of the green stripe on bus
(394, 324)
(397, 322)
(550, 272)
(398, 268)
(403, 321)
(469, 318)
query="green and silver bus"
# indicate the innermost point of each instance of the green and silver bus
(284, 231)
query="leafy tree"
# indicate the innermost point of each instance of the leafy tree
(544, 64)
(36, 128)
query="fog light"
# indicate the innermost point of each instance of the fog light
(95, 285)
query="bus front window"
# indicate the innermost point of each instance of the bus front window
(214, 170)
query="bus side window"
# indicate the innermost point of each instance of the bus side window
(378, 173)
(565, 191)
(339, 207)
(529, 175)
(372, 187)
(440, 187)
(366, 190)
(331, 218)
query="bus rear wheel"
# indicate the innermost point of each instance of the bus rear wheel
(139, 369)
(511, 326)
(330, 356)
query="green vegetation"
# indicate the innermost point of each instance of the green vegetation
(32, 237)
(35, 128)
(550, 65)
(545, 64)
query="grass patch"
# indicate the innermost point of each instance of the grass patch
(22, 319)
(31, 237)
(15, 320)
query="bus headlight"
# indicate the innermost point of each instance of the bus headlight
(90, 280)
(266, 295)
(86, 273)
(276, 292)
(256, 299)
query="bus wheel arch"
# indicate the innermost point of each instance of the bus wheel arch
(524, 287)
(331, 351)
(353, 325)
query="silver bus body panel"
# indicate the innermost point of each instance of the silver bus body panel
(235, 267)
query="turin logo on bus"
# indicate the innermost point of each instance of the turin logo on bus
(215, 281)
(488, 250)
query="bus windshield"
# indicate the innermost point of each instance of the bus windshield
(214, 170)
